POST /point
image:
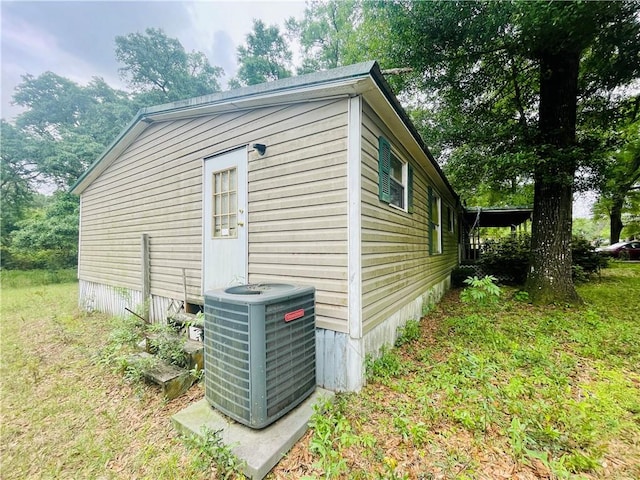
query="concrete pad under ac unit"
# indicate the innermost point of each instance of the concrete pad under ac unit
(261, 449)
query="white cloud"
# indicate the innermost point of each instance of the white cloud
(23, 37)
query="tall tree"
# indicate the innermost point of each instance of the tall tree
(53, 103)
(56, 105)
(159, 69)
(17, 175)
(325, 34)
(621, 178)
(525, 60)
(68, 125)
(264, 58)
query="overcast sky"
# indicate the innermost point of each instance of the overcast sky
(76, 39)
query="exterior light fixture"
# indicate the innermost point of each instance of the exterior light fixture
(260, 147)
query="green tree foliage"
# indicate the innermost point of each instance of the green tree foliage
(326, 34)
(619, 186)
(68, 125)
(47, 237)
(159, 69)
(264, 58)
(17, 175)
(55, 106)
(110, 110)
(53, 103)
(504, 78)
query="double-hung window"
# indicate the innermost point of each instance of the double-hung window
(434, 209)
(395, 182)
(450, 219)
(398, 180)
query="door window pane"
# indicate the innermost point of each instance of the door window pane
(225, 184)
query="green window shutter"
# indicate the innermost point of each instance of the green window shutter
(384, 169)
(429, 219)
(410, 188)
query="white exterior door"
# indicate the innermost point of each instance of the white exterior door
(225, 213)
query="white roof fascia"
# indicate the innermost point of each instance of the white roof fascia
(199, 107)
(311, 93)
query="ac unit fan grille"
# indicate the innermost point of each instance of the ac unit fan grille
(290, 353)
(227, 361)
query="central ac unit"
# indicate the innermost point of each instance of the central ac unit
(259, 347)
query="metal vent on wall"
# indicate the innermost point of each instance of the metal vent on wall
(259, 343)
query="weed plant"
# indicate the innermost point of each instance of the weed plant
(212, 453)
(407, 333)
(386, 366)
(164, 342)
(332, 434)
(123, 342)
(128, 333)
(481, 291)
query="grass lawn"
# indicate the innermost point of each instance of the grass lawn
(502, 391)
(64, 415)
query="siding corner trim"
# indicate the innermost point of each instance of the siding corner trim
(354, 180)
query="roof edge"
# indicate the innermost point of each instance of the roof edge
(110, 148)
(290, 83)
(384, 86)
(326, 77)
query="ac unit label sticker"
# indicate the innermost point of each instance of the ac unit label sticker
(294, 315)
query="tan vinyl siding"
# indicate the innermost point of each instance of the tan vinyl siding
(298, 217)
(396, 265)
(296, 213)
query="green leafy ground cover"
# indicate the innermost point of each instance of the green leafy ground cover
(499, 390)
(503, 390)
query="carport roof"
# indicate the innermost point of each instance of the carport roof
(496, 216)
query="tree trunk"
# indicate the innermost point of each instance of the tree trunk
(615, 218)
(549, 279)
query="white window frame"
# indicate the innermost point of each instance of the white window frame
(435, 223)
(403, 185)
